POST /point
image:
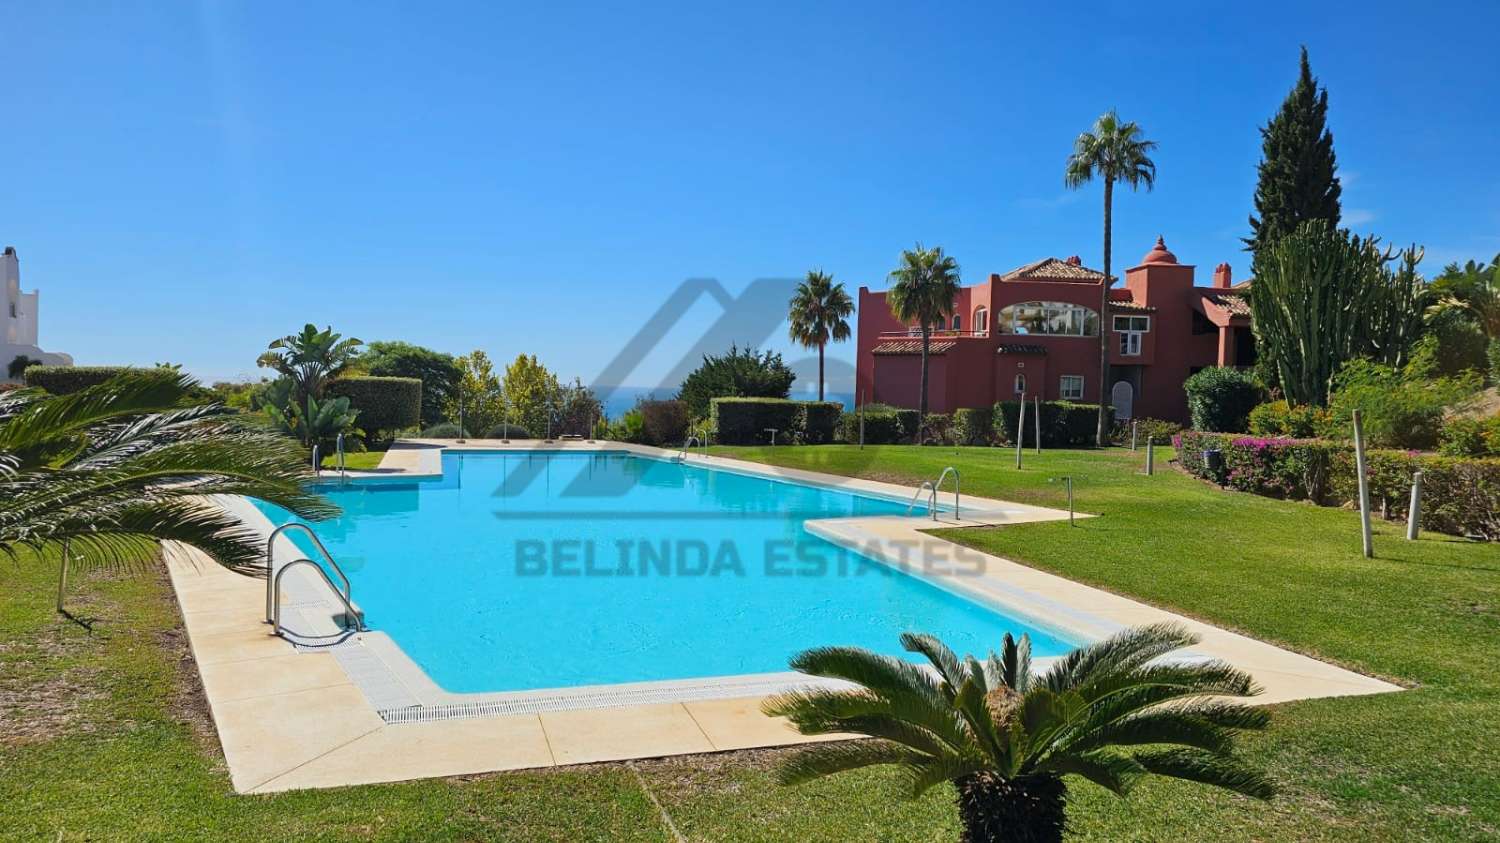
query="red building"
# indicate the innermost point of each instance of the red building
(1036, 330)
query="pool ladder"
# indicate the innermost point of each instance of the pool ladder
(695, 439)
(931, 489)
(274, 575)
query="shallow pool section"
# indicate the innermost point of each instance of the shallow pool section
(528, 570)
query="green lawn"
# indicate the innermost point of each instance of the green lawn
(103, 737)
(356, 461)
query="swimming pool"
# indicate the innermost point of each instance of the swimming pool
(529, 570)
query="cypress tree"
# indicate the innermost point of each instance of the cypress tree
(1297, 169)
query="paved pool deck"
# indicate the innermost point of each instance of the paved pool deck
(331, 708)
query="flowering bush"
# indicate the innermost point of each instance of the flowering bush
(1460, 496)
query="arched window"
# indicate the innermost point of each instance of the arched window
(1049, 318)
(958, 324)
(982, 320)
(1020, 383)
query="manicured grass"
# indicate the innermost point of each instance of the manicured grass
(101, 737)
(356, 461)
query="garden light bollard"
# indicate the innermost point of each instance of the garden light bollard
(1150, 455)
(460, 421)
(1020, 431)
(1037, 418)
(1068, 481)
(1364, 488)
(1134, 429)
(772, 431)
(1414, 512)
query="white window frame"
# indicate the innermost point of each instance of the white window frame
(1020, 383)
(1080, 316)
(957, 322)
(1067, 394)
(1130, 334)
(981, 320)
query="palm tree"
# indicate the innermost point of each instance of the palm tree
(1115, 152)
(1005, 735)
(109, 471)
(1472, 291)
(923, 291)
(311, 358)
(819, 313)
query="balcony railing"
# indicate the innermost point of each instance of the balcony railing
(936, 334)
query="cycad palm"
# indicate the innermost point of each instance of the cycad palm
(114, 468)
(1005, 735)
(923, 289)
(819, 314)
(1114, 151)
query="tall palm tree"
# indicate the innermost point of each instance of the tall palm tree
(1005, 734)
(925, 285)
(819, 314)
(112, 469)
(1113, 151)
(310, 358)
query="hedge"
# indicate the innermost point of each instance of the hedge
(1221, 398)
(974, 425)
(507, 431)
(1460, 496)
(820, 421)
(383, 403)
(743, 421)
(65, 380)
(664, 422)
(1064, 423)
(884, 425)
(444, 430)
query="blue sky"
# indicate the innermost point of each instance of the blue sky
(185, 182)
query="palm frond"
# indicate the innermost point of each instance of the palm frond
(823, 711)
(829, 759)
(1208, 768)
(1122, 651)
(1112, 771)
(942, 658)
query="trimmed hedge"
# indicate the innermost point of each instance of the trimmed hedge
(884, 425)
(1460, 496)
(821, 422)
(974, 425)
(66, 380)
(1064, 423)
(743, 421)
(1221, 398)
(383, 403)
(445, 430)
(507, 431)
(664, 422)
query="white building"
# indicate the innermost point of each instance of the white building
(18, 320)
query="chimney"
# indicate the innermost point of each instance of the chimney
(1075, 261)
(1222, 276)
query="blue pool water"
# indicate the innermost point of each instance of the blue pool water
(551, 569)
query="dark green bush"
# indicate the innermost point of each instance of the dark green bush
(1064, 423)
(741, 373)
(66, 380)
(1220, 399)
(974, 425)
(664, 422)
(1460, 496)
(446, 430)
(820, 421)
(383, 403)
(882, 426)
(507, 431)
(743, 421)
(1467, 436)
(937, 429)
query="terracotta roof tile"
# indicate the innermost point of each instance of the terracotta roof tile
(1231, 303)
(913, 346)
(1130, 307)
(1052, 269)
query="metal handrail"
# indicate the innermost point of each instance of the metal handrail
(956, 482)
(349, 610)
(348, 594)
(339, 443)
(931, 499)
(317, 461)
(686, 446)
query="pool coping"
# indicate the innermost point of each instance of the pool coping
(324, 712)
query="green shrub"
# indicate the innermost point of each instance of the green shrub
(630, 428)
(383, 403)
(882, 426)
(937, 429)
(1146, 429)
(1460, 496)
(1467, 436)
(438, 372)
(1278, 418)
(1397, 410)
(974, 425)
(66, 380)
(1064, 423)
(507, 431)
(820, 422)
(741, 373)
(743, 421)
(664, 422)
(1220, 399)
(446, 430)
